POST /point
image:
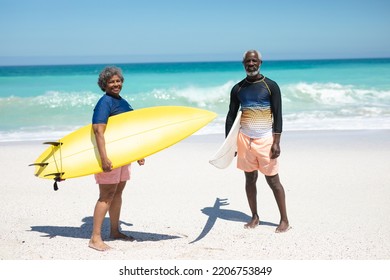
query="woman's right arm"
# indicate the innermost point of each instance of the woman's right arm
(98, 130)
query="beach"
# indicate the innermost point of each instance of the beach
(179, 207)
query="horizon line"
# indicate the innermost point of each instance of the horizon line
(93, 60)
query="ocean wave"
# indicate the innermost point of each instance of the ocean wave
(335, 99)
(36, 133)
(298, 96)
(305, 106)
(334, 94)
(51, 99)
(214, 98)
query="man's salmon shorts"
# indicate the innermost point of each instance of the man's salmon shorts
(255, 154)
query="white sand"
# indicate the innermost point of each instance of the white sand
(179, 207)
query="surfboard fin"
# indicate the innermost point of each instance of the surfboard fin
(57, 178)
(53, 143)
(41, 164)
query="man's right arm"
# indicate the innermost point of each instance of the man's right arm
(233, 109)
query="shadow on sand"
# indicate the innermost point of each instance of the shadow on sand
(84, 231)
(216, 212)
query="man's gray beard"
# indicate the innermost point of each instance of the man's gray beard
(252, 74)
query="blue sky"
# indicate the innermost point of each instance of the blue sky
(95, 31)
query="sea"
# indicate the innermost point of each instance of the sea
(47, 102)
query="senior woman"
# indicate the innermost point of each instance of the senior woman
(111, 181)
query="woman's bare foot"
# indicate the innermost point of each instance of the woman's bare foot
(254, 222)
(99, 246)
(122, 236)
(282, 227)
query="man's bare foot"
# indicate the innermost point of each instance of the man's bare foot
(282, 227)
(99, 246)
(254, 222)
(122, 236)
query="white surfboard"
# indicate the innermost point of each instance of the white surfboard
(225, 154)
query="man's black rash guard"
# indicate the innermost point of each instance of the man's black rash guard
(262, 94)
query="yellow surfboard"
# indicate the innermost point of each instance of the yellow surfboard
(129, 137)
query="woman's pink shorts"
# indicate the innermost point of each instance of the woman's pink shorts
(255, 154)
(115, 176)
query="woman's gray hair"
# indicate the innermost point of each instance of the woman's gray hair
(106, 74)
